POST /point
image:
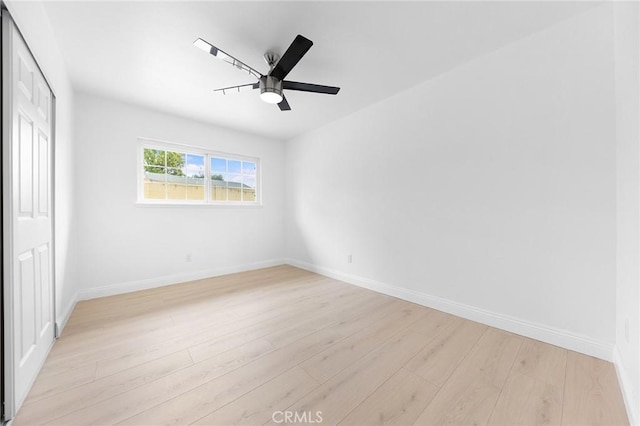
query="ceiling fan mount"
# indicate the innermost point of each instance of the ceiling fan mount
(271, 58)
(272, 84)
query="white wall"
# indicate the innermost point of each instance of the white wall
(627, 79)
(33, 22)
(489, 191)
(124, 246)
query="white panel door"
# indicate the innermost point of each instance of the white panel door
(27, 211)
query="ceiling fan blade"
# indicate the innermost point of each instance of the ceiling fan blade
(209, 48)
(291, 57)
(235, 89)
(308, 87)
(284, 105)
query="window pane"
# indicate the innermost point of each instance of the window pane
(154, 160)
(154, 183)
(234, 193)
(218, 176)
(179, 173)
(157, 176)
(195, 177)
(218, 189)
(234, 177)
(234, 184)
(249, 181)
(218, 165)
(248, 194)
(175, 160)
(195, 165)
(248, 188)
(248, 168)
(195, 192)
(176, 184)
(234, 166)
(154, 190)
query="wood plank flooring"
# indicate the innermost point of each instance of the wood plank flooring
(240, 348)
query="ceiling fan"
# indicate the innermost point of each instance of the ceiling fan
(273, 83)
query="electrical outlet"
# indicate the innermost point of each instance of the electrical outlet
(349, 258)
(188, 258)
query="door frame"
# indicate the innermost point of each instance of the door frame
(7, 387)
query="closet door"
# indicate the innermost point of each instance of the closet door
(27, 218)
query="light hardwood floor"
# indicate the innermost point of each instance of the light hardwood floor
(239, 348)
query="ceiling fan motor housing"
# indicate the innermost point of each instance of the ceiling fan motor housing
(271, 88)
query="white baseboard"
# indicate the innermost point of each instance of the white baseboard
(63, 317)
(544, 333)
(631, 403)
(131, 286)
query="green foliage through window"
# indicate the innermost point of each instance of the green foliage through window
(157, 161)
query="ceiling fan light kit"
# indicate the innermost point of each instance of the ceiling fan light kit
(272, 84)
(270, 89)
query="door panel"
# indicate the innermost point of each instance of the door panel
(25, 77)
(25, 300)
(44, 101)
(44, 290)
(43, 173)
(25, 165)
(28, 231)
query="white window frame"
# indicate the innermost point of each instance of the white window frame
(208, 154)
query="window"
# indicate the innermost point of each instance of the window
(176, 174)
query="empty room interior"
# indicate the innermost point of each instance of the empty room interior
(301, 212)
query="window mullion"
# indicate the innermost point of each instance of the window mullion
(207, 178)
(166, 183)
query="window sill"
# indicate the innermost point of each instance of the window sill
(198, 205)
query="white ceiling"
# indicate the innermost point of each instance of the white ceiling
(142, 52)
